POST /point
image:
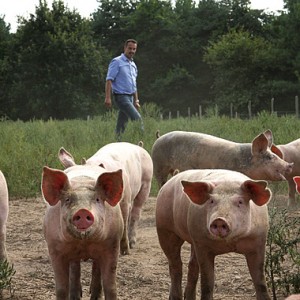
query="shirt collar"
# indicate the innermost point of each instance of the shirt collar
(125, 58)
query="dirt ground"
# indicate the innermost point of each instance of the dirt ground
(141, 275)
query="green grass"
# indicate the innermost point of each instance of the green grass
(25, 147)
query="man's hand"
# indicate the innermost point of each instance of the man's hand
(107, 102)
(137, 104)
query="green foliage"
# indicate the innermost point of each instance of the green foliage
(56, 66)
(7, 272)
(25, 147)
(282, 253)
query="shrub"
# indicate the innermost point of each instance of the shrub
(282, 253)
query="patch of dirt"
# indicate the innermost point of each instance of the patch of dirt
(141, 275)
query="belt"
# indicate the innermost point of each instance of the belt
(117, 94)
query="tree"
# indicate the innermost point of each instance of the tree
(242, 65)
(57, 66)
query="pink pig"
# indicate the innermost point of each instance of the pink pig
(4, 208)
(183, 150)
(83, 221)
(291, 153)
(137, 167)
(216, 211)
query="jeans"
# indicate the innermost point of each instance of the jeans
(126, 111)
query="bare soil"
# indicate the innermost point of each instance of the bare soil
(141, 275)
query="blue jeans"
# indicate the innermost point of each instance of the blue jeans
(126, 111)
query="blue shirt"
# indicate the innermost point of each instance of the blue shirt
(123, 73)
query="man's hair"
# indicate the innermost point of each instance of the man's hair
(130, 41)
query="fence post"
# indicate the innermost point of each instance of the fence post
(297, 106)
(231, 110)
(249, 110)
(200, 111)
(272, 106)
(170, 115)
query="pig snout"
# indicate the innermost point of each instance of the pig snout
(220, 228)
(83, 219)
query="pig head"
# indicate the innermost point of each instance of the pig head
(291, 153)
(83, 221)
(4, 208)
(191, 150)
(137, 167)
(216, 211)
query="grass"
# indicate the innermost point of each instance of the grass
(25, 147)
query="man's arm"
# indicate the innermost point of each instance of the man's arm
(107, 101)
(136, 101)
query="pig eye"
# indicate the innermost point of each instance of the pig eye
(97, 200)
(211, 201)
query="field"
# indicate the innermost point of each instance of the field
(26, 147)
(141, 275)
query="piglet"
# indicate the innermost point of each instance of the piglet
(83, 221)
(4, 208)
(216, 211)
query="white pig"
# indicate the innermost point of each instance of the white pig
(291, 153)
(137, 167)
(216, 211)
(83, 221)
(191, 150)
(4, 208)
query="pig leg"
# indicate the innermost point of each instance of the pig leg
(3, 254)
(135, 214)
(109, 261)
(255, 262)
(96, 287)
(206, 264)
(61, 276)
(171, 245)
(192, 277)
(292, 193)
(75, 284)
(125, 209)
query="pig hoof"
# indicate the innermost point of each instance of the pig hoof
(132, 244)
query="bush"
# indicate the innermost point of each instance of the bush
(7, 272)
(282, 253)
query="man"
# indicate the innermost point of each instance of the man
(121, 82)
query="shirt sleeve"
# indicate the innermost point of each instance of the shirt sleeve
(113, 70)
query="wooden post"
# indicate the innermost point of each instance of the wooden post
(170, 115)
(178, 114)
(200, 111)
(249, 110)
(231, 110)
(297, 106)
(272, 106)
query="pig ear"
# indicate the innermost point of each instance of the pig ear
(259, 144)
(110, 186)
(297, 182)
(66, 158)
(258, 191)
(198, 192)
(269, 135)
(53, 182)
(277, 151)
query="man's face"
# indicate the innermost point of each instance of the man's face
(130, 49)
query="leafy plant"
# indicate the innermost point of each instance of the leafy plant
(282, 253)
(7, 272)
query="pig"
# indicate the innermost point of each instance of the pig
(191, 150)
(4, 209)
(293, 297)
(83, 220)
(291, 153)
(137, 167)
(216, 212)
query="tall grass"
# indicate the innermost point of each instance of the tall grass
(25, 147)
